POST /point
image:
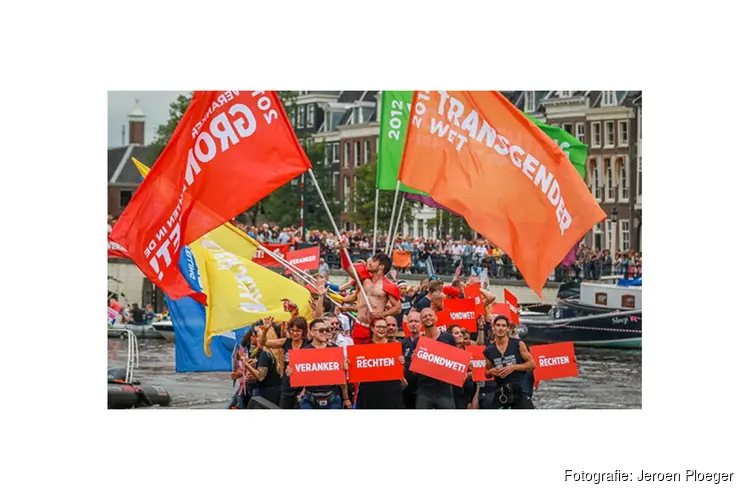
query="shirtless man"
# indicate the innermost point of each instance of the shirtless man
(384, 296)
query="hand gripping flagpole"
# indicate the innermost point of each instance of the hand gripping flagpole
(395, 228)
(393, 212)
(341, 242)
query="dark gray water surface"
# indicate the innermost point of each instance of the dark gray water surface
(607, 378)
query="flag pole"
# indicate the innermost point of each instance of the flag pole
(395, 228)
(393, 212)
(338, 235)
(375, 225)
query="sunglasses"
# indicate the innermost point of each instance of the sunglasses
(323, 330)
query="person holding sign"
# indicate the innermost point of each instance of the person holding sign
(508, 360)
(408, 345)
(297, 333)
(433, 393)
(384, 395)
(383, 294)
(323, 397)
(464, 396)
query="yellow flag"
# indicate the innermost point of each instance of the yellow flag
(242, 292)
(226, 236)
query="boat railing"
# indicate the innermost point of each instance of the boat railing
(133, 360)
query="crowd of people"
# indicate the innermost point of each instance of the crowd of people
(443, 256)
(391, 312)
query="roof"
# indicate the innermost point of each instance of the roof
(120, 167)
(596, 97)
(350, 95)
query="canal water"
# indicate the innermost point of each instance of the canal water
(607, 379)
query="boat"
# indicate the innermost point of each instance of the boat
(165, 329)
(123, 391)
(601, 315)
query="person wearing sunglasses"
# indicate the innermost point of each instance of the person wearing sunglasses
(323, 397)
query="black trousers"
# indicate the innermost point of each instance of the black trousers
(288, 401)
(410, 392)
(432, 402)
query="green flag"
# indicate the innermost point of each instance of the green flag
(572, 147)
(394, 119)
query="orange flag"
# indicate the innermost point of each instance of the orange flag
(478, 155)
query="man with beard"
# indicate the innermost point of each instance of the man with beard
(383, 294)
(408, 345)
(433, 393)
(508, 360)
(392, 328)
(385, 395)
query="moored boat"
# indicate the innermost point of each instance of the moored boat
(602, 315)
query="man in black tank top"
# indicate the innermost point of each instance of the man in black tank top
(508, 360)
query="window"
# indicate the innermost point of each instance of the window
(565, 93)
(356, 153)
(601, 299)
(624, 173)
(568, 127)
(622, 138)
(598, 235)
(293, 119)
(624, 235)
(310, 115)
(125, 196)
(608, 98)
(336, 181)
(346, 194)
(609, 177)
(300, 117)
(628, 301)
(347, 153)
(327, 157)
(639, 184)
(529, 105)
(609, 134)
(420, 229)
(596, 178)
(581, 132)
(596, 135)
(335, 152)
(367, 152)
(609, 236)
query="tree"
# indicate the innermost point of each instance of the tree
(364, 202)
(164, 132)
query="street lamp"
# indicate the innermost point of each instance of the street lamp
(613, 215)
(613, 227)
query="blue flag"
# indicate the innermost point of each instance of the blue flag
(189, 322)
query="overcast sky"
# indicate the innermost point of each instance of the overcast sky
(154, 103)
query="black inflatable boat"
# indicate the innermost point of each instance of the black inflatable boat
(122, 395)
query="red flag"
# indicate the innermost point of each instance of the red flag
(115, 250)
(262, 258)
(477, 154)
(512, 302)
(229, 150)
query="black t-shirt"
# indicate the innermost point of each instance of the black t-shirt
(422, 303)
(138, 316)
(405, 307)
(285, 387)
(268, 361)
(321, 388)
(407, 349)
(433, 387)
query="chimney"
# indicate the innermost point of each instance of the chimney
(123, 135)
(137, 124)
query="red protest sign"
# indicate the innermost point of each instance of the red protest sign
(264, 260)
(473, 292)
(554, 361)
(440, 361)
(441, 322)
(462, 312)
(478, 362)
(305, 259)
(375, 362)
(501, 308)
(324, 366)
(512, 302)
